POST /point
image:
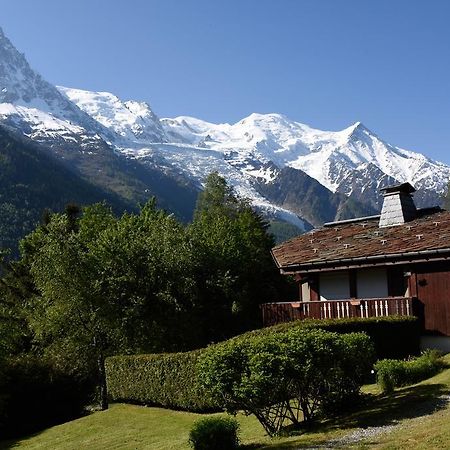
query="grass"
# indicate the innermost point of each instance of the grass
(422, 413)
(427, 425)
(137, 427)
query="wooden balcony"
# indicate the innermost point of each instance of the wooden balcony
(274, 313)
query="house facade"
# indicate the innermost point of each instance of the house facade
(395, 263)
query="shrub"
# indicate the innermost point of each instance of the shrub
(215, 433)
(291, 375)
(167, 379)
(394, 337)
(392, 373)
(170, 380)
(34, 395)
(356, 354)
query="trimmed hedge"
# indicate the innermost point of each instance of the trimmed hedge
(170, 379)
(392, 373)
(166, 379)
(394, 337)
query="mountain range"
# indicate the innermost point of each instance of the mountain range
(123, 152)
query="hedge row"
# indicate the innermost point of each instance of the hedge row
(170, 380)
(395, 337)
(166, 379)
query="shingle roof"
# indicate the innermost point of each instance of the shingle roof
(326, 245)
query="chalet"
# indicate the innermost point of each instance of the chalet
(395, 263)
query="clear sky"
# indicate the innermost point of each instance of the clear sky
(326, 63)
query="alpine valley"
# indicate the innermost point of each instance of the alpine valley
(60, 144)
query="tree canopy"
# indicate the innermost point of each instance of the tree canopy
(89, 284)
(233, 247)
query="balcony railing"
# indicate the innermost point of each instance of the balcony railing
(274, 313)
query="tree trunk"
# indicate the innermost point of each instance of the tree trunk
(102, 381)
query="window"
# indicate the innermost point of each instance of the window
(334, 286)
(371, 283)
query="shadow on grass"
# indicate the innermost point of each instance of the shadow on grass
(373, 411)
(406, 403)
(14, 440)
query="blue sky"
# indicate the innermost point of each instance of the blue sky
(327, 63)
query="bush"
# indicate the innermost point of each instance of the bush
(166, 379)
(35, 395)
(356, 354)
(392, 373)
(394, 337)
(170, 380)
(291, 375)
(215, 433)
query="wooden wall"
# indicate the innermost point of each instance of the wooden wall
(431, 284)
(428, 284)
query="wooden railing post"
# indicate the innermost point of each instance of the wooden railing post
(273, 313)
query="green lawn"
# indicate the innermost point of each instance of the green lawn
(421, 411)
(137, 427)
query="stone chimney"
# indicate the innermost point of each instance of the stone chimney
(398, 205)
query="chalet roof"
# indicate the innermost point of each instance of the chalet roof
(351, 241)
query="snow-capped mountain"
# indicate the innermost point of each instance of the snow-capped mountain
(39, 109)
(132, 121)
(281, 165)
(116, 144)
(352, 161)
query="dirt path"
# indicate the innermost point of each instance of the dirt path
(361, 434)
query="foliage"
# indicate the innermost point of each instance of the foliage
(129, 427)
(34, 394)
(89, 284)
(393, 336)
(235, 269)
(286, 376)
(215, 433)
(102, 285)
(31, 181)
(283, 231)
(168, 380)
(393, 373)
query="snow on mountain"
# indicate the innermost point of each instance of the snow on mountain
(132, 121)
(30, 103)
(196, 163)
(141, 135)
(353, 161)
(328, 156)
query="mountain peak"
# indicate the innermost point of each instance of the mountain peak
(357, 126)
(130, 119)
(264, 117)
(26, 97)
(14, 73)
(21, 85)
(4, 41)
(358, 131)
(353, 161)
